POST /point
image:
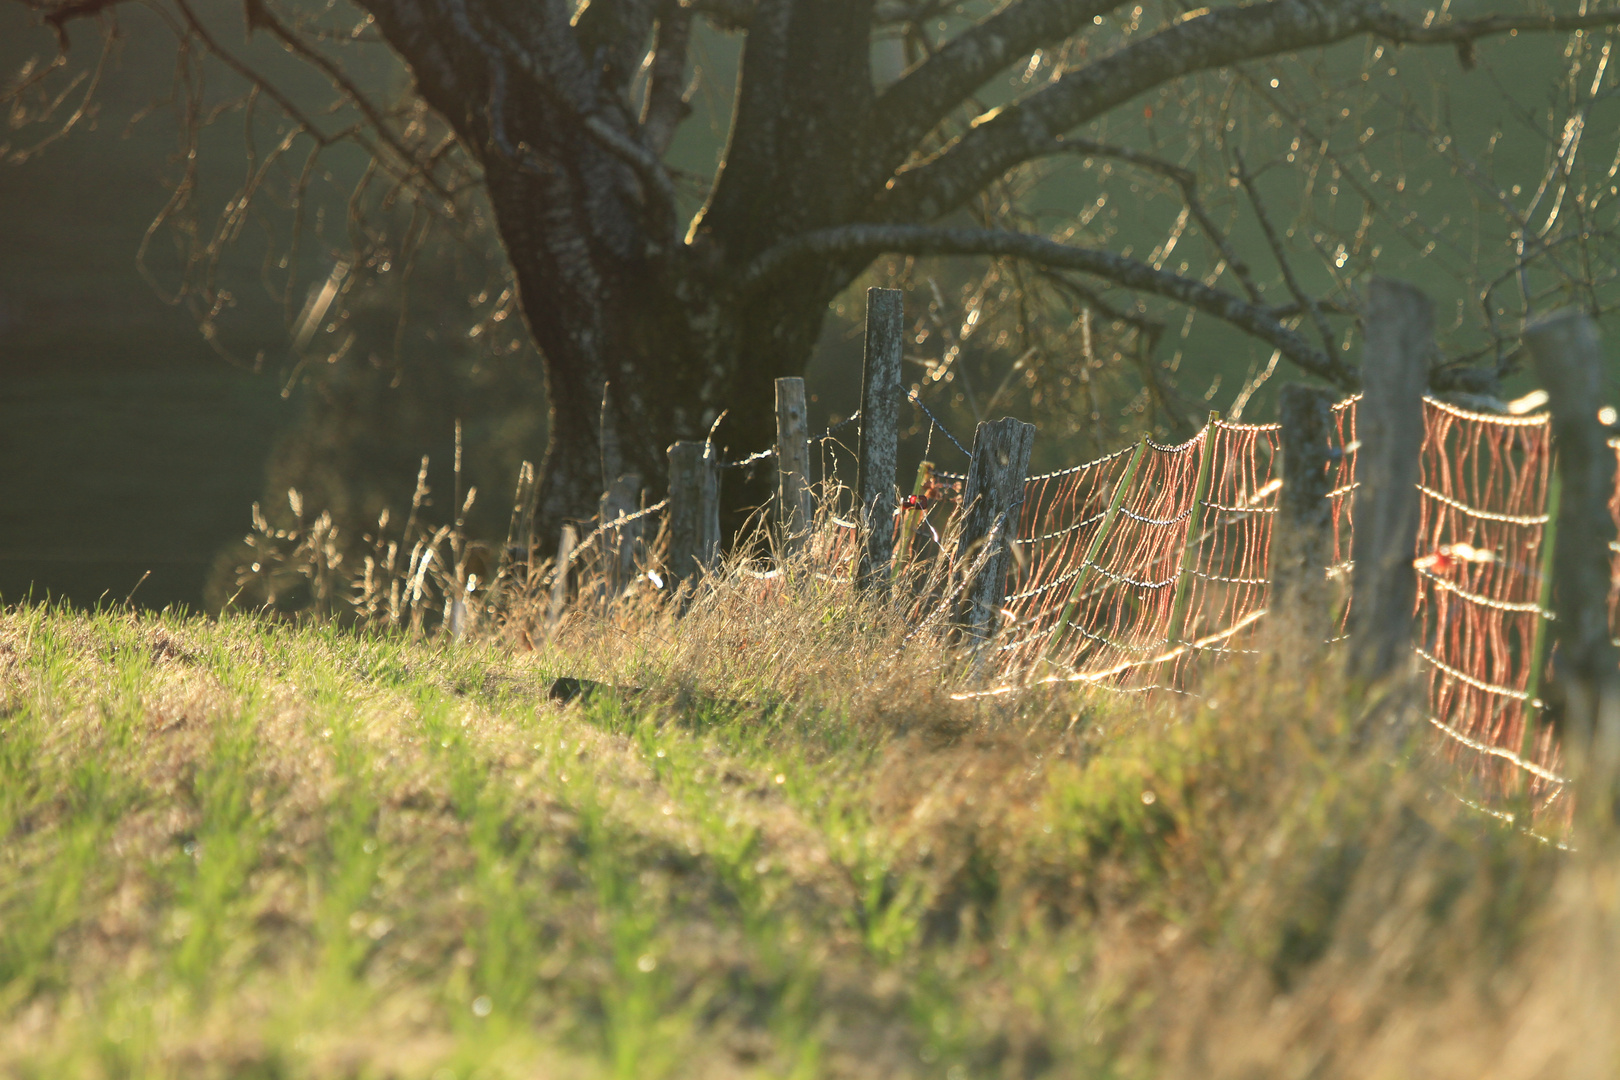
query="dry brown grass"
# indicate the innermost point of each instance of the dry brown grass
(244, 848)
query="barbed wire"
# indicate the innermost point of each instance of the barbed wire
(768, 452)
(916, 399)
(617, 523)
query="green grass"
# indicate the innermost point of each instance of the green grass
(237, 848)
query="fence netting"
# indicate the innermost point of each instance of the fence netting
(1133, 568)
(1131, 571)
(1483, 500)
(1130, 566)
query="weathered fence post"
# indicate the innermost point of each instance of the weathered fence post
(880, 436)
(1389, 420)
(559, 578)
(619, 542)
(520, 533)
(1586, 678)
(793, 506)
(1302, 538)
(694, 509)
(990, 501)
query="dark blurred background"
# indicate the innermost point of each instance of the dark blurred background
(129, 444)
(133, 444)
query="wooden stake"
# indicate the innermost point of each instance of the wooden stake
(694, 509)
(520, 533)
(1569, 360)
(619, 543)
(1195, 528)
(793, 506)
(559, 578)
(1094, 549)
(1389, 420)
(990, 501)
(1302, 539)
(879, 438)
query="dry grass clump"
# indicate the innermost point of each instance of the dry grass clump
(781, 847)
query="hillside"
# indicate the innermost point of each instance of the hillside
(243, 848)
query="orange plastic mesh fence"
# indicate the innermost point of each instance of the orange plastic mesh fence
(1100, 583)
(1227, 572)
(1483, 493)
(1095, 595)
(1059, 521)
(1116, 557)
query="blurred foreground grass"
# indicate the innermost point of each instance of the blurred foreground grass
(239, 848)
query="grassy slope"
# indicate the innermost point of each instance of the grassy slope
(241, 849)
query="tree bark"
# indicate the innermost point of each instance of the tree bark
(547, 99)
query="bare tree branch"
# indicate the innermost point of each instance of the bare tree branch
(613, 33)
(732, 16)
(1200, 41)
(666, 104)
(803, 94)
(260, 17)
(1187, 181)
(913, 106)
(1305, 303)
(867, 241)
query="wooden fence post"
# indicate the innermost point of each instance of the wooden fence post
(619, 543)
(793, 507)
(694, 509)
(1399, 340)
(520, 533)
(1302, 537)
(880, 436)
(1586, 680)
(559, 578)
(990, 501)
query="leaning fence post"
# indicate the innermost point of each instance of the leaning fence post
(1541, 640)
(792, 464)
(1302, 536)
(520, 533)
(1195, 529)
(1399, 340)
(619, 542)
(1569, 362)
(694, 509)
(879, 437)
(1077, 592)
(990, 500)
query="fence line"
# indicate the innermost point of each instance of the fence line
(1131, 571)
(1108, 548)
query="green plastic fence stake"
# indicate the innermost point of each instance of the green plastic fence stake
(1095, 547)
(1538, 642)
(910, 519)
(1195, 525)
